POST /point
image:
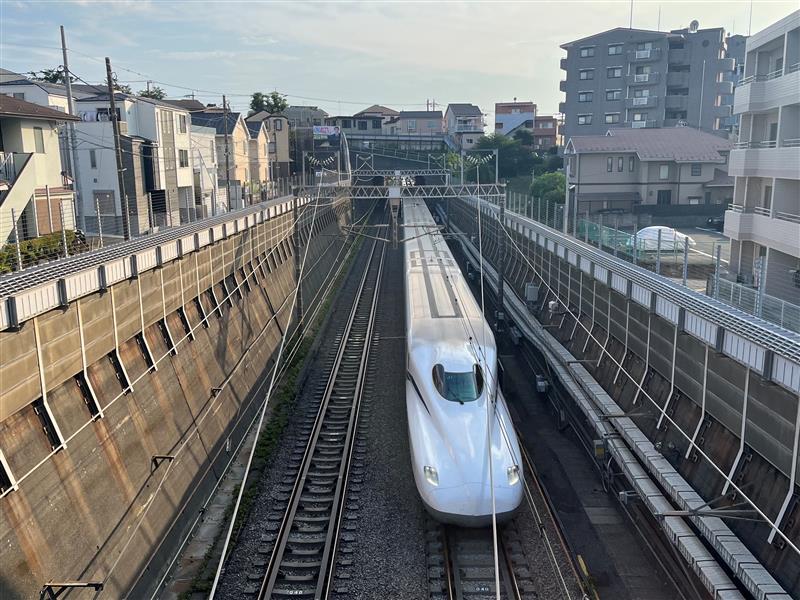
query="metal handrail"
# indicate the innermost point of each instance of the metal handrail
(791, 143)
(737, 208)
(741, 145)
(762, 210)
(784, 216)
(768, 143)
(792, 68)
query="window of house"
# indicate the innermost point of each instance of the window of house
(641, 93)
(376, 124)
(38, 139)
(643, 70)
(587, 51)
(346, 124)
(612, 117)
(362, 125)
(182, 123)
(93, 159)
(585, 96)
(183, 158)
(613, 94)
(614, 49)
(631, 163)
(644, 46)
(663, 171)
(620, 164)
(584, 119)
(676, 44)
(586, 74)
(411, 125)
(640, 116)
(278, 125)
(469, 140)
(431, 124)
(610, 164)
(613, 72)
(697, 169)
(18, 95)
(105, 203)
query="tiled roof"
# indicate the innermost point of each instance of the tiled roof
(13, 107)
(188, 104)
(721, 179)
(216, 119)
(254, 127)
(464, 110)
(681, 144)
(377, 108)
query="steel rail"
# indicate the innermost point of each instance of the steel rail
(360, 333)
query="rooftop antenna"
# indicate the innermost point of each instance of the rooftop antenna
(658, 26)
(631, 22)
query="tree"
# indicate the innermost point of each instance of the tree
(154, 92)
(549, 187)
(272, 103)
(120, 87)
(55, 75)
(514, 159)
(525, 137)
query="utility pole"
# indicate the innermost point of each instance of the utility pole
(71, 135)
(126, 226)
(227, 150)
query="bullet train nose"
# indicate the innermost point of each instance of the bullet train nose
(470, 504)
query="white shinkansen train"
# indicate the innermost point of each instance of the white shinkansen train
(451, 387)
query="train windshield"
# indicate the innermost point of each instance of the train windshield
(458, 387)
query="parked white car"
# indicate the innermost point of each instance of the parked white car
(672, 240)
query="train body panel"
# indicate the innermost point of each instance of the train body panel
(451, 387)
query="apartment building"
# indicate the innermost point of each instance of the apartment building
(31, 172)
(631, 167)
(510, 117)
(545, 132)
(463, 124)
(638, 78)
(764, 221)
(158, 176)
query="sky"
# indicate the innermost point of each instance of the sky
(342, 56)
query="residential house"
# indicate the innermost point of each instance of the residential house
(510, 117)
(158, 176)
(630, 167)
(376, 110)
(31, 180)
(235, 171)
(304, 116)
(301, 137)
(545, 132)
(259, 158)
(639, 78)
(204, 168)
(415, 122)
(764, 221)
(51, 95)
(463, 124)
(277, 126)
(357, 125)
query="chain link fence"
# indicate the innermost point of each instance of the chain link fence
(48, 228)
(702, 265)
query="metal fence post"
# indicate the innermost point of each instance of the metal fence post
(616, 230)
(586, 227)
(658, 254)
(716, 270)
(635, 245)
(762, 284)
(685, 260)
(63, 228)
(601, 232)
(100, 221)
(16, 238)
(49, 209)
(35, 216)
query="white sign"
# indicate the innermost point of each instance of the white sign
(325, 130)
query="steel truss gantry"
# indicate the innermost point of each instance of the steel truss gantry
(487, 191)
(400, 172)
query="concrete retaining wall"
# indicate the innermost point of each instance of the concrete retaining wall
(98, 508)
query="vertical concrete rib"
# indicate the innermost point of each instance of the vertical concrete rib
(741, 431)
(672, 375)
(84, 365)
(43, 382)
(145, 345)
(702, 405)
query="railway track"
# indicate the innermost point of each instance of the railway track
(301, 541)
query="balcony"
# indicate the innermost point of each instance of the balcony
(780, 231)
(562, 107)
(676, 102)
(642, 78)
(563, 64)
(678, 79)
(765, 158)
(726, 64)
(724, 88)
(562, 85)
(678, 56)
(645, 102)
(641, 56)
(764, 92)
(643, 124)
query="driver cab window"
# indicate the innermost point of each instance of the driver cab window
(458, 386)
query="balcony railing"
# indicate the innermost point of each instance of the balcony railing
(792, 68)
(765, 212)
(784, 216)
(769, 76)
(764, 144)
(762, 210)
(791, 143)
(648, 54)
(637, 78)
(643, 124)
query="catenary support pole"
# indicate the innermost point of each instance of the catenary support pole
(73, 142)
(227, 151)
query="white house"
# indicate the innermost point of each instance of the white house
(204, 166)
(31, 180)
(463, 124)
(158, 175)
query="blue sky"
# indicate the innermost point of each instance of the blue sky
(344, 55)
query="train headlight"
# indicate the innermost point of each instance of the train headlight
(431, 474)
(513, 475)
